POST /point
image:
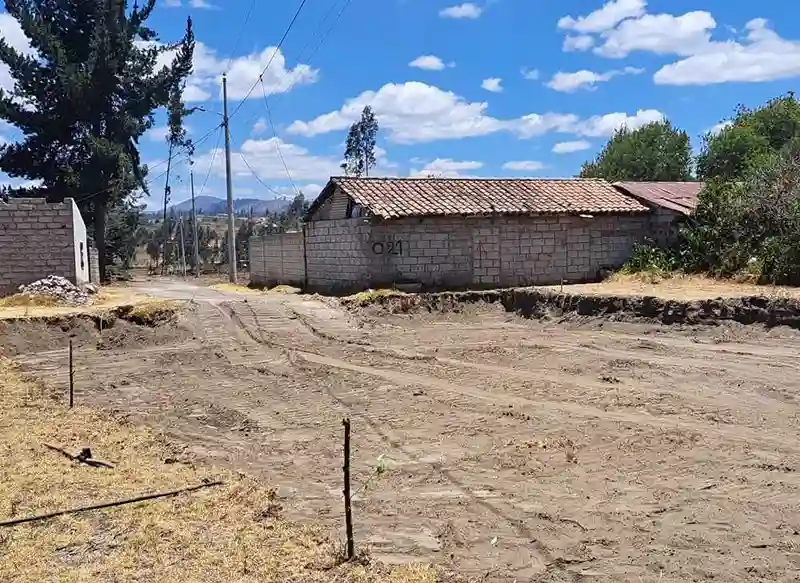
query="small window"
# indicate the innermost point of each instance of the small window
(83, 264)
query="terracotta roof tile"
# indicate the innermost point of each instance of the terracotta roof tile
(677, 196)
(405, 197)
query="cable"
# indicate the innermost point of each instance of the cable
(257, 177)
(211, 164)
(277, 140)
(241, 30)
(271, 58)
(319, 44)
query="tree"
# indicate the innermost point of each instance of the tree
(359, 153)
(753, 140)
(84, 99)
(657, 151)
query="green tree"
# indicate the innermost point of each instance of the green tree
(359, 154)
(85, 98)
(753, 140)
(657, 151)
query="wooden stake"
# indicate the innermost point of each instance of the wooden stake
(348, 511)
(71, 378)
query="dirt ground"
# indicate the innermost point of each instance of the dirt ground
(516, 450)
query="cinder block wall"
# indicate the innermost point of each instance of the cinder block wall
(353, 254)
(37, 239)
(277, 259)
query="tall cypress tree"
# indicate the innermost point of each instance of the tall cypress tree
(86, 97)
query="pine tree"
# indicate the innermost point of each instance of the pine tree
(85, 98)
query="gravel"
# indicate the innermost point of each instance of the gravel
(57, 287)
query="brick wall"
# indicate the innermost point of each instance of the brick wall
(277, 259)
(94, 266)
(352, 254)
(38, 239)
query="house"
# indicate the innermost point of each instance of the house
(670, 203)
(39, 238)
(454, 233)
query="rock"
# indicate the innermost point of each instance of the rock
(57, 287)
(91, 288)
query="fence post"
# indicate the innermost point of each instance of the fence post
(348, 511)
(71, 377)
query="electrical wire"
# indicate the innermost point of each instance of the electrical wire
(211, 164)
(272, 57)
(256, 176)
(242, 29)
(277, 140)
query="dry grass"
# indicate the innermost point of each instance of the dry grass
(370, 296)
(13, 307)
(27, 301)
(679, 287)
(231, 533)
(284, 289)
(153, 312)
(234, 288)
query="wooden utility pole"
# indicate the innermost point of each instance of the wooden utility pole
(71, 377)
(195, 243)
(165, 226)
(348, 509)
(229, 184)
(183, 248)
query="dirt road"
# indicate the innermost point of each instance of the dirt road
(516, 450)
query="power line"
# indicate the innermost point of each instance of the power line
(257, 177)
(277, 140)
(272, 57)
(211, 164)
(241, 30)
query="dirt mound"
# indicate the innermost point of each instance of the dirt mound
(543, 304)
(122, 327)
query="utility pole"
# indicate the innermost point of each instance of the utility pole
(229, 184)
(195, 244)
(166, 224)
(183, 249)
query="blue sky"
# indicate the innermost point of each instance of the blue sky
(489, 88)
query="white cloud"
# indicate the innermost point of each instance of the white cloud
(530, 74)
(410, 112)
(570, 147)
(415, 112)
(466, 10)
(524, 165)
(578, 43)
(604, 125)
(203, 5)
(243, 73)
(429, 63)
(157, 134)
(569, 82)
(445, 168)
(763, 56)
(604, 18)
(493, 84)
(717, 128)
(260, 126)
(172, 3)
(661, 34)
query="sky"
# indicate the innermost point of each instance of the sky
(494, 88)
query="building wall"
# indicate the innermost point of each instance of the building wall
(664, 225)
(82, 266)
(94, 266)
(352, 254)
(276, 259)
(38, 239)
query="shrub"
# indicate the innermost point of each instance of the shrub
(648, 258)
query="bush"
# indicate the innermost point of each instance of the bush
(648, 258)
(751, 226)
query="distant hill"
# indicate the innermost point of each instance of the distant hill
(211, 205)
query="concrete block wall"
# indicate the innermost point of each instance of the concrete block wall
(276, 259)
(37, 239)
(353, 254)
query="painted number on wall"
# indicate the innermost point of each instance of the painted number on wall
(387, 248)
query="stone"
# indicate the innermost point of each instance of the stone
(57, 287)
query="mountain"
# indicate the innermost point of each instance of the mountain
(211, 205)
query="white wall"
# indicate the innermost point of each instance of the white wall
(81, 245)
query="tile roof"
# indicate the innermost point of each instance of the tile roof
(408, 197)
(677, 196)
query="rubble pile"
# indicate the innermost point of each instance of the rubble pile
(57, 287)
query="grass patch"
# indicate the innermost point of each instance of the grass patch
(232, 533)
(371, 296)
(284, 289)
(152, 312)
(28, 301)
(234, 288)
